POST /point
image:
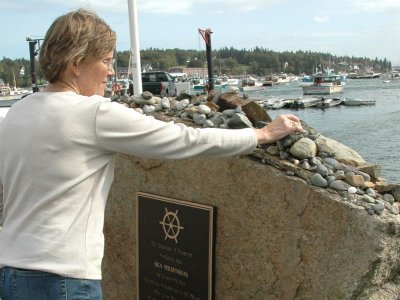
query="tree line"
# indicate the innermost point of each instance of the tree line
(230, 61)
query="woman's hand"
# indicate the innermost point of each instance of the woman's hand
(280, 127)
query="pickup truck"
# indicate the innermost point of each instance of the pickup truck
(155, 82)
(158, 83)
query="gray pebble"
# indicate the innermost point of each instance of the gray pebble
(340, 185)
(389, 198)
(318, 180)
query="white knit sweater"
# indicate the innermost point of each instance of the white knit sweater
(56, 167)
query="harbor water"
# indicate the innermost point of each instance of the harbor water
(372, 131)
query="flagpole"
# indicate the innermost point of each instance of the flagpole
(135, 49)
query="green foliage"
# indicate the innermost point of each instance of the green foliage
(259, 61)
(230, 61)
(10, 68)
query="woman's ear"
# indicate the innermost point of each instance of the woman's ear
(74, 67)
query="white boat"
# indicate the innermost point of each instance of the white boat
(357, 102)
(325, 84)
(11, 93)
(325, 103)
(7, 93)
(366, 75)
(302, 102)
(274, 103)
(251, 84)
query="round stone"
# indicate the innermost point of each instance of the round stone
(352, 190)
(318, 180)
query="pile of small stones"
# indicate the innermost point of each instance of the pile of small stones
(361, 185)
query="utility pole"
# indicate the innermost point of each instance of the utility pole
(33, 52)
(206, 35)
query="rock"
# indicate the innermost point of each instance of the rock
(147, 95)
(370, 192)
(304, 148)
(314, 161)
(395, 191)
(273, 150)
(388, 197)
(338, 151)
(378, 208)
(229, 113)
(369, 184)
(213, 106)
(366, 176)
(148, 109)
(322, 169)
(166, 104)
(182, 104)
(330, 179)
(203, 109)
(239, 121)
(289, 140)
(283, 155)
(199, 119)
(318, 180)
(158, 107)
(368, 199)
(354, 180)
(208, 124)
(305, 165)
(373, 170)
(142, 101)
(352, 190)
(139, 110)
(340, 185)
(254, 112)
(217, 120)
(182, 96)
(383, 187)
(395, 208)
(230, 101)
(330, 161)
(339, 174)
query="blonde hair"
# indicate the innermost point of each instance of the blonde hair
(74, 37)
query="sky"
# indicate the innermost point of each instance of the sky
(359, 28)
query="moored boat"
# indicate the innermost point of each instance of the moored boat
(251, 84)
(303, 102)
(325, 84)
(325, 103)
(357, 102)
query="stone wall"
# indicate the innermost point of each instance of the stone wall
(277, 237)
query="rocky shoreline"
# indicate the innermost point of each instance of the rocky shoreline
(321, 161)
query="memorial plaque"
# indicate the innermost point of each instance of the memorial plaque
(174, 249)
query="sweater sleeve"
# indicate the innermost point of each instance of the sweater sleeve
(1, 203)
(1, 194)
(120, 129)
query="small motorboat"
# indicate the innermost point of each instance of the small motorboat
(325, 103)
(357, 102)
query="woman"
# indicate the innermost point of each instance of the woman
(57, 159)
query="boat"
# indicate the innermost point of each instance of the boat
(325, 84)
(251, 84)
(11, 93)
(274, 103)
(330, 102)
(366, 75)
(357, 102)
(303, 102)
